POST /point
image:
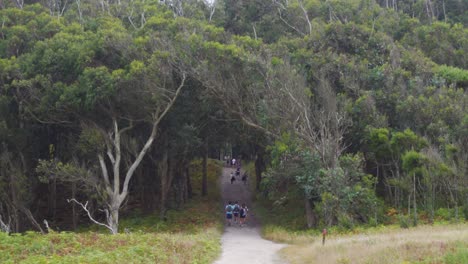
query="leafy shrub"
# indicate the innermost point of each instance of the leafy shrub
(345, 222)
(444, 214)
(465, 211)
(459, 256)
(404, 221)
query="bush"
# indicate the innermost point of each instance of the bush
(404, 221)
(465, 211)
(444, 214)
(459, 256)
(345, 221)
(373, 222)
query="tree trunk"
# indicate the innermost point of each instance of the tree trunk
(415, 209)
(53, 198)
(14, 201)
(189, 183)
(310, 216)
(114, 219)
(167, 174)
(205, 170)
(74, 215)
(259, 167)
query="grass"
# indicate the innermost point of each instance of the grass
(423, 244)
(189, 235)
(445, 241)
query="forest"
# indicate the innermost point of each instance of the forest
(355, 112)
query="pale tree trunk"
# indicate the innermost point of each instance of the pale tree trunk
(115, 192)
(306, 16)
(310, 215)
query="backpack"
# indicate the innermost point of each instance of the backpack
(236, 208)
(229, 208)
(242, 212)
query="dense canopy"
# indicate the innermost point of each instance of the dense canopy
(353, 106)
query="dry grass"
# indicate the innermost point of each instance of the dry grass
(424, 243)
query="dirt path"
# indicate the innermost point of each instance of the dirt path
(244, 244)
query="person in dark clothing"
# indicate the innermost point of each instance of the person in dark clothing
(244, 178)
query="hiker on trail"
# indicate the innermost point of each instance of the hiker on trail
(244, 178)
(238, 171)
(229, 208)
(236, 211)
(243, 214)
(233, 162)
(233, 179)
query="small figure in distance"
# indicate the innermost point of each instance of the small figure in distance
(233, 179)
(229, 208)
(243, 214)
(238, 172)
(233, 162)
(244, 178)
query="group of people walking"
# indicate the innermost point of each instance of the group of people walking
(236, 213)
(237, 174)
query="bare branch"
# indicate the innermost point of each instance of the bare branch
(306, 16)
(105, 174)
(150, 140)
(85, 207)
(5, 227)
(47, 226)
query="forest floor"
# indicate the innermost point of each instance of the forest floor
(244, 244)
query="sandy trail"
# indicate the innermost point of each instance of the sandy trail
(244, 244)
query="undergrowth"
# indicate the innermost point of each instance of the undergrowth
(190, 234)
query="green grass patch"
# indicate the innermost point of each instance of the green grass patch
(92, 247)
(190, 234)
(453, 253)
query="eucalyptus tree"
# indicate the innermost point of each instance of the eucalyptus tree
(109, 101)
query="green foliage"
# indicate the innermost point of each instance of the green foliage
(91, 141)
(347, 194)
(412, 161)
(459, 256)
(398, 72)
(465, 211)
(445, 214)
(404, 221)
(90, 247)
(453, 75)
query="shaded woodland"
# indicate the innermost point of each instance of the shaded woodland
(350, 108)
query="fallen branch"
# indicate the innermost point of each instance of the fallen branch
(85, 207)
(47, 226)
(4, 226)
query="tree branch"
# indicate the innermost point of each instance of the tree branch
(150, 140)
(85, 207)
(4, 226)
(105, 174)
